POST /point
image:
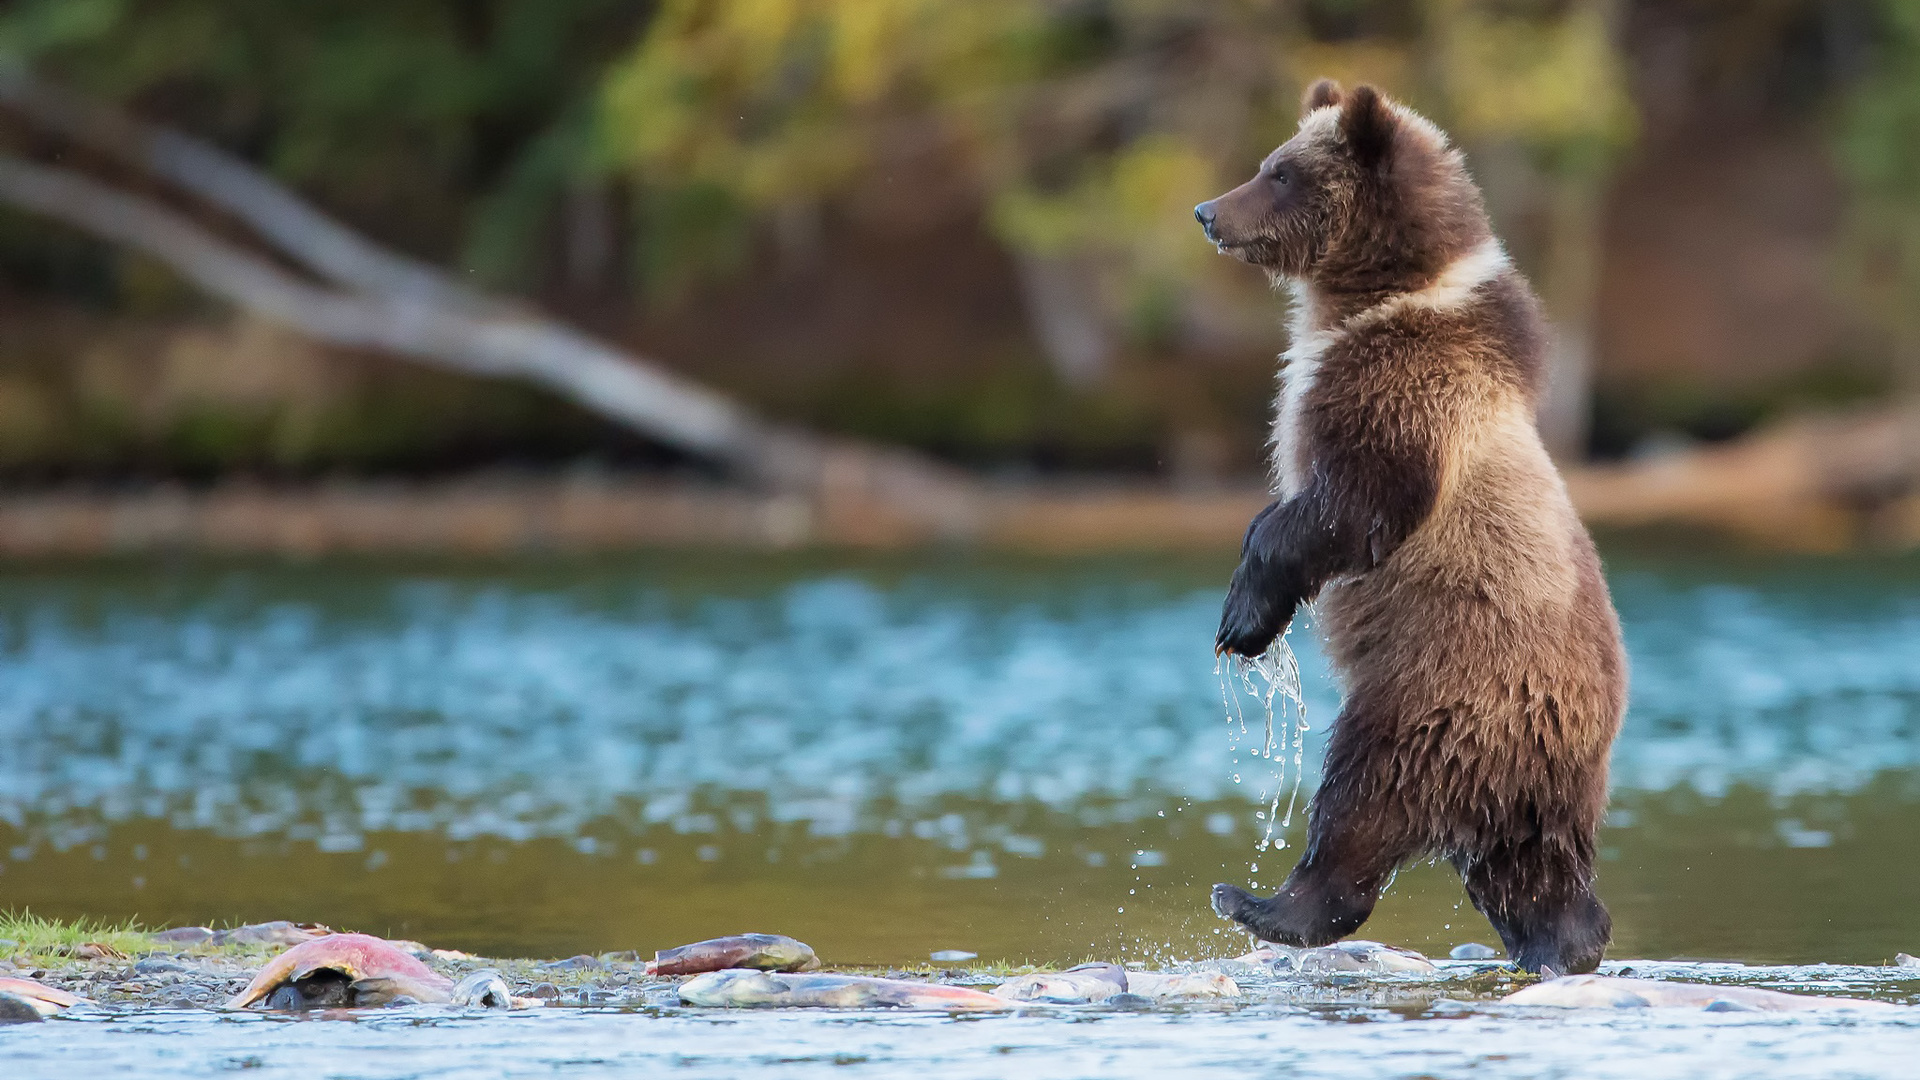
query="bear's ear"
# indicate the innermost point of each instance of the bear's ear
(1320, 95)
(1367, 123)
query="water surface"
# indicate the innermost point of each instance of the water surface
(1026, 759)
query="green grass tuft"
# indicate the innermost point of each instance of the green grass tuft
(33, 934)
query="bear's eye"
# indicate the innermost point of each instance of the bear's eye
(1279, 176)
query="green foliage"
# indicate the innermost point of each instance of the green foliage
(1072, 130)
(1878, 150)
(450, 125)
(1084, 130)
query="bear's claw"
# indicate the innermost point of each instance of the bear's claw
(1231, 902)
(1248, 624)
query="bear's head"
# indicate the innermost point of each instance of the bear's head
(1366, 197)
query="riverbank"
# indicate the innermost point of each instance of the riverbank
(1747, 496)
(1816, 484)
(500, 515)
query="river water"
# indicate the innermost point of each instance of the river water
(888, 756)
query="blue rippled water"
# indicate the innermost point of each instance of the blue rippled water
(244, 704)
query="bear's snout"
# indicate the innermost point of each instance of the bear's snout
(1204, 214)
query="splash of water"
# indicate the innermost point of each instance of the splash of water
(1274, 674)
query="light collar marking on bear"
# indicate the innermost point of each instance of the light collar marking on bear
(1453, 289)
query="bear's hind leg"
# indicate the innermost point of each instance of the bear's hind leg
(1540, 900)
(1318, 905)
(1353, 848)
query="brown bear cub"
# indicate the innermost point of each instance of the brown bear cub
(1460, 597)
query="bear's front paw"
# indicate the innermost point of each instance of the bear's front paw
(1249, 622)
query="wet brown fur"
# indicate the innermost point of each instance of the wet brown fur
(1461, 599)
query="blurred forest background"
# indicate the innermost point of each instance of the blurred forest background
(962, 227)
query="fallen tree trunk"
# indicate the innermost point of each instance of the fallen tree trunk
(1815, 483)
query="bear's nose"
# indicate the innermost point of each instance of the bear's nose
(1204, 215)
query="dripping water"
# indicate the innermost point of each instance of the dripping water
(1273, 680)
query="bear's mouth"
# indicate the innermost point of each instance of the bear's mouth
(1247, 251)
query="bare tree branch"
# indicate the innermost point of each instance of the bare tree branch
(393, 303)
(673, 410)
(303, 233)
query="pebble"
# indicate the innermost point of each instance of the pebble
(545, 992)
(954, 956)
(1906, 961)
(1473, 950)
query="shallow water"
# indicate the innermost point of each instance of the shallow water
(884, 757)
(1349, 1029)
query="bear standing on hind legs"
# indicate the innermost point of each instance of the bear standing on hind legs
(1460, 597)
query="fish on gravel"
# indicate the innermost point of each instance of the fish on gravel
(25, 1000)
(346, 971)
(1341, 957)
(343, 971)
(761, 952)
(1368, 957)
(278, 932)
(1094, 984)
(582, 962)
(1614, 992)
(1083, 985)
(740, 988)
(1172, 987)
(488, 989)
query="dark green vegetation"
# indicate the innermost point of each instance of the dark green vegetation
(958, 226)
